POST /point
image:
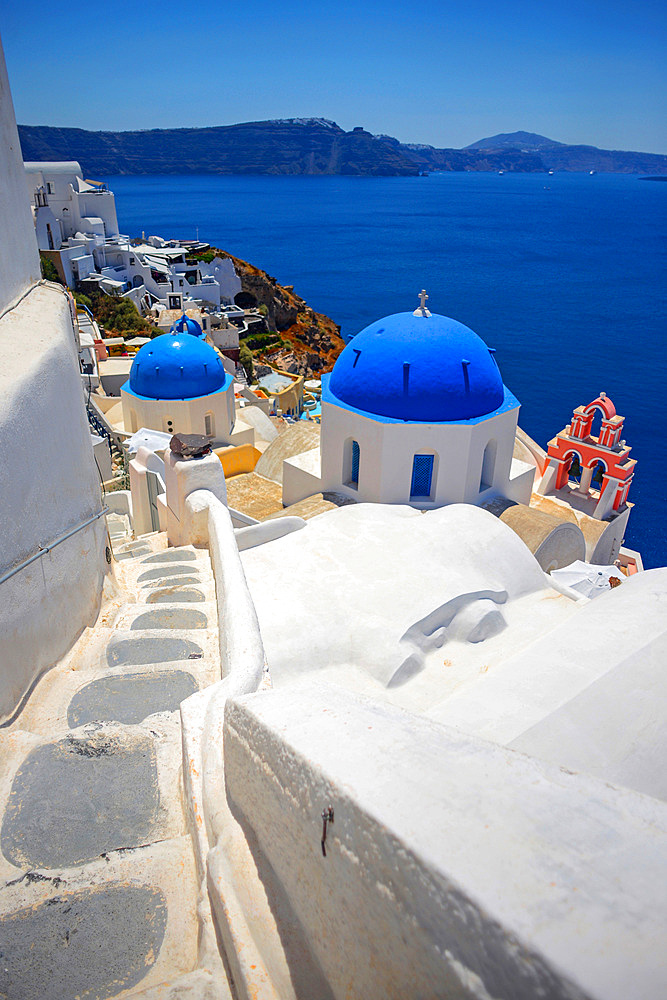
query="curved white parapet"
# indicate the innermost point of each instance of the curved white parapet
(241, 649)
(267, 531)
(243, 666)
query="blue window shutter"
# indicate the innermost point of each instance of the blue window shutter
(422, 474)
(354, 470)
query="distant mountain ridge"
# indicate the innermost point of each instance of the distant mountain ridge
(313, 146)
(516, 140)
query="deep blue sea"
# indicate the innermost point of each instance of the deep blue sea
(564, 275)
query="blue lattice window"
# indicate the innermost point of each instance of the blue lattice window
(422, 475)
(354, 465)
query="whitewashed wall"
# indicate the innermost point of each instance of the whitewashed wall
(387, 451)
(49, 480)
(453, 868)
(50, 485)
(45, 218)
(187, 416)
(222, 269)
(225, 338)
(100, 205)
(19, 260)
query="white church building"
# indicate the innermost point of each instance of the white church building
(178, 384)
(415, 411)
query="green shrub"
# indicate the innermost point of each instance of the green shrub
(206, 257)
(116, 313)
(261, 341)
(245, 357)
(49, 269)
(83, 300)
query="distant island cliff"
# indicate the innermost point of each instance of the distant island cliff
(313, 146)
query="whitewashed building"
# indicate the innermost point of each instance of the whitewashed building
(77, 228)
(65, 204)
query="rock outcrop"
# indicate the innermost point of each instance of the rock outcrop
(312, 339)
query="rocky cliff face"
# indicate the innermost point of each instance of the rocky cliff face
(311, 338)
(311, 146)
(292, 146)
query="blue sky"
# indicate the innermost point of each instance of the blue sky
(438, 72)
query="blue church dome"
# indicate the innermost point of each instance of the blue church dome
(187, 325)
(424, 368)
(177, 366)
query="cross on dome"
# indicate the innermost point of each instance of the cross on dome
(422, 309)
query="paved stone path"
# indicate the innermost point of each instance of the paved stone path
(98, 884)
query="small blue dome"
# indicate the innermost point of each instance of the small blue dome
(421, 368)
(187, 325)
(176, 366)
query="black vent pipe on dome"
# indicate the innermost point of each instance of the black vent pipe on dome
(466, 376)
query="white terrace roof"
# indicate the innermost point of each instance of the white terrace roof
(157, 264)
(167, 252)
(53, 167)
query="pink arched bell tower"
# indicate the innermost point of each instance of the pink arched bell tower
(605, 458)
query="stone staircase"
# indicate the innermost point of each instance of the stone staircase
(99, 891)
(123, 542)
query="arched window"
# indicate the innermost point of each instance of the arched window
(596, 424)
(209, 425)
(488, 466)
(421, 485)
(351, 457)
(598, 471)
(575, 468)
